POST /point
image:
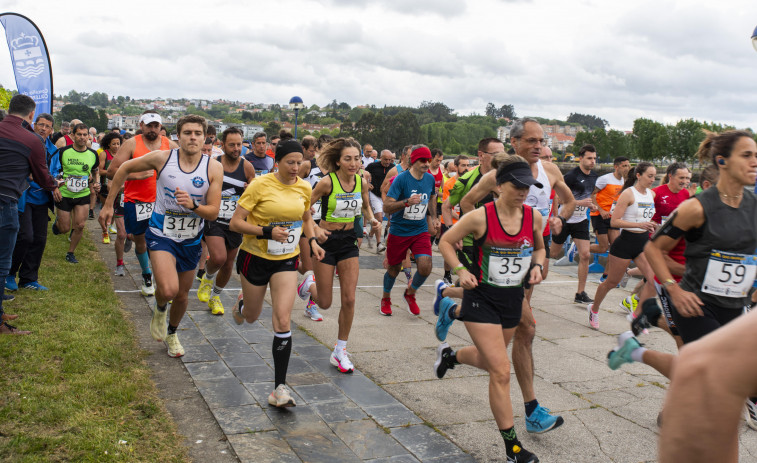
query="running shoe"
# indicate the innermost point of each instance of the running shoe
(340, 358)
(203, 292)
(386, 306)
(444, 321)
(447, 280)
(593, 317)
(412, 306)
(750, 414)
(200, 273)
(147, 288)
(8, 297)
(443, 362)
(71, 258)
(281, 397)
(106, 238)
(238, 308)
(120, 270)
(8, 317)
(303, 290)
(582, 298)
(439, 285)
(381, 247)
(541, 421)
(602, 278)
(630, 303)
(521, 455)
(174, 346)
(624, 281)
(215, 305)
(112, 229)
(627, 342)
(158, 327)
(127, 245)
(311, 311)
(34, 285)
(91, 215)
(10, 283)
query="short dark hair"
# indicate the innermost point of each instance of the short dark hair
(230, 131)
(208, 141)
(284, 134)
(211, 130)
(436, 152)
(259, 135)
(21, 105)
(192, 119)
(46, 116)
(619, 160)
(275, 137)
(78, 127)
(484, 143)
(458, 158)
(308, 141)
(590, 148)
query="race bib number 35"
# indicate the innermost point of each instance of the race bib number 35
(75, 184)
(181, 225)
(277, 248)
(508, 267)
(415, 211)
(144, 210)
(729, 274)
(228, 206)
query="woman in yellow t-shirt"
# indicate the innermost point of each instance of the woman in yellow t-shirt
(272, 214)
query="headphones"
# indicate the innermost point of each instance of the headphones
(721, 161)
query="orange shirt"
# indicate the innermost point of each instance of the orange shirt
(609, 189)
(143, 190)
(446, 188)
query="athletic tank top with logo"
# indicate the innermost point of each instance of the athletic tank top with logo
(642, 209)
(504, 259)
(541, 198)
(342, 206)
(170, 220)
(143, 190)
(76, 167)
(720, 256)
(231, 190)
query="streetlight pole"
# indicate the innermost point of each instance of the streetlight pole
(296, 103)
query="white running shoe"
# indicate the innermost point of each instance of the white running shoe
(341, 360)
(304, 289)
(281, 397)
(750, 414)
(174, 346)
(593, 317)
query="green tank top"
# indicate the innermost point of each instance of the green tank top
(76, 168)
(341, 206)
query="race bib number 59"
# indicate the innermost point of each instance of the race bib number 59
(729, 274)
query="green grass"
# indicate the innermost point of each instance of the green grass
(77, 388)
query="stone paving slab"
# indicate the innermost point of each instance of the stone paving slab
(393, 409)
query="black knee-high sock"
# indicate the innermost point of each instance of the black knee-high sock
(282, 349)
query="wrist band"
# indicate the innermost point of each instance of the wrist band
(458, 268)
(267, 233)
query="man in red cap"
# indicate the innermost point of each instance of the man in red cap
(408, 204)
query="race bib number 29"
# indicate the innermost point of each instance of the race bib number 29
(729, 274)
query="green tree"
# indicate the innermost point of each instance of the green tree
(96, 119)
(98, 99)
(587, 120)
(650, 139)
(247, 116)
(685, 138)
(120, 100)
(5, 97)
(272, 128)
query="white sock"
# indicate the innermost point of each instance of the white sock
(637, 354)
(340, 344)
(217, 290)
(210, 276)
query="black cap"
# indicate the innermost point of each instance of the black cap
(519, 173)
(286, 147)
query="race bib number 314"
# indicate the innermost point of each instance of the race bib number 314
(729, 274)
(181, 225)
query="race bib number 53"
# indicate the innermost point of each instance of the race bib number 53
(729, 274)
(228, 206)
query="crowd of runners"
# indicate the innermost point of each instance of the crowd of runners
(289, 214)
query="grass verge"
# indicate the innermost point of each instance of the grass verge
(77, 388)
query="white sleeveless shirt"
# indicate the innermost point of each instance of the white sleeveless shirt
(538, 198)
(642, 209)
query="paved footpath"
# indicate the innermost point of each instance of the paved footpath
(393, 409)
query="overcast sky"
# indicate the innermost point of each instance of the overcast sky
(660, 59)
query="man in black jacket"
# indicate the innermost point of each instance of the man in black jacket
(21, 152)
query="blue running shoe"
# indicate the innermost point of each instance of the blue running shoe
(10, 283)
(439, 285)
(35, 286)
(541, 421)
(444, 321)
(627, 342)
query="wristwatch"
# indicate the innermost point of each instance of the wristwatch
(194, 205)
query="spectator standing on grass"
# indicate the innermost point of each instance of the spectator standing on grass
(21, 153)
